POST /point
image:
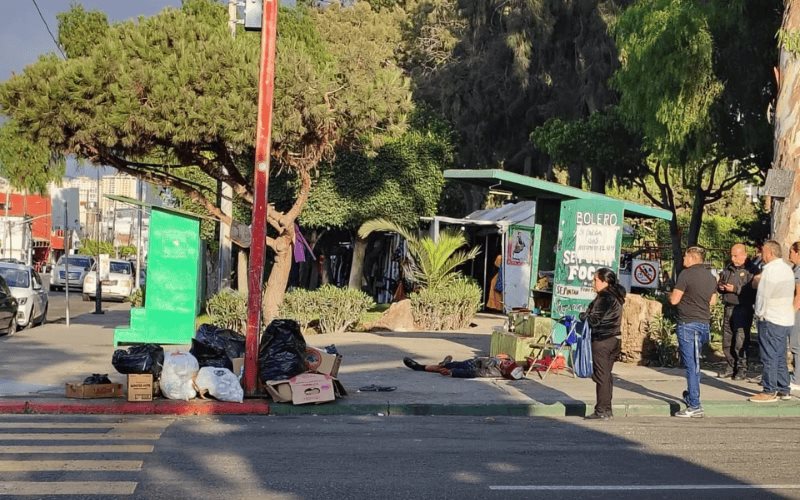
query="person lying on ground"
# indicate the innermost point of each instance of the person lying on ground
(480, 366)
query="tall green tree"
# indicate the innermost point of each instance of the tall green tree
(176, 90)
(700, 116)
(496, 69)
(28, 165)
(401, 181)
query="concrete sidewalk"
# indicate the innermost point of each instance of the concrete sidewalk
(36, 363)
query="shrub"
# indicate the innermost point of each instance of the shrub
(333, 309)
(298, 304)
(136, 297)
(228, 309)
(446, 308)
(661, 331)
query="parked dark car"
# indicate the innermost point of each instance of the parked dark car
(8, 310)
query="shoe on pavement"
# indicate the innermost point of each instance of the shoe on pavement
(599, 416)
(764, 397)
(690, 413)
(740, 375)
(413, 364)
(784, 396)
(447, 359)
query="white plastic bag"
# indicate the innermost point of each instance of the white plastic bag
(177, 376)
(220, 383)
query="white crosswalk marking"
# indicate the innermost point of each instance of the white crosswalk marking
(30, 450)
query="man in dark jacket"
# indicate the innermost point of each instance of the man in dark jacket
(736, 290)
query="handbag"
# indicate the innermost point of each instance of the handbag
(583, 352)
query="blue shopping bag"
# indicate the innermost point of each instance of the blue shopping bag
(583, 352)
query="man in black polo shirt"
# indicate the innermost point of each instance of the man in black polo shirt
(694, 294)
(738, 295)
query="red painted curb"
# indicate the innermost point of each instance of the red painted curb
(158, 407)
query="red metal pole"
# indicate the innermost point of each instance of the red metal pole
(266, 77)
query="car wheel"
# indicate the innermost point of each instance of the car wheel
(29, 324)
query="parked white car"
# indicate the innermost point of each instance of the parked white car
(26, 286)
(79, 265)
(118, 285)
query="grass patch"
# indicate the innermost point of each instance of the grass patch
(372, 315)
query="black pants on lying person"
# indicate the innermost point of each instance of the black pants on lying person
(481, 366)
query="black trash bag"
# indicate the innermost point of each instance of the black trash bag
(143, 358)
(282, 352)
(210, 355)
(97, 378)
(223, 339)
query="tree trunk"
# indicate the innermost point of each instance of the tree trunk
(575, 174)
(598, 181)
(278, 278)
(675, 239)
(357, 264)
(283, 246)
(696, 219)
(786, 212)
(241, 271)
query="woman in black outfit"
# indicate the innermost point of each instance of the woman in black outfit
(604, 315)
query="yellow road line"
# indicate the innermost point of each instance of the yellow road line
(77, 436)
(105, 488)
(108, 448)
(70, 465)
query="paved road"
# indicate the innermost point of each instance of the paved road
(56, 312)
(397, 457)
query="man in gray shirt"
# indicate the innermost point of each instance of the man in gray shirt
(774, 312)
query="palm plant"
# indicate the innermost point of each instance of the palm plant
(435, 262)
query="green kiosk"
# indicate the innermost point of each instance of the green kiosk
(174, 278)
(574, 233)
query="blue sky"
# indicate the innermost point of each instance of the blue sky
(24, 37)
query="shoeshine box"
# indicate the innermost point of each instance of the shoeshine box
(320, 361)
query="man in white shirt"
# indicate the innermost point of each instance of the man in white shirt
(774, 311)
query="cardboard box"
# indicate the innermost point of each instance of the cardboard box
(93, 391)
(311, 388)
(140, 387)
(238, 367)
(320, 361)
(296, 390)
(279, 390)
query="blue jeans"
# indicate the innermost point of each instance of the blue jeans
(691, 337)
(772, 341)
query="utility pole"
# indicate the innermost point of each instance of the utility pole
(266, 87)
(98, 288)
(139, 209)
(226, 193)
(67, 232)
(7, 245)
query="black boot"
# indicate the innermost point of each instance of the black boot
(413, 365)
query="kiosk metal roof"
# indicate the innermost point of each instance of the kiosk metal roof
(532, 188)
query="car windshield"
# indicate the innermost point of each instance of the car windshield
(75, 262)
(15, 278)
(120, 268)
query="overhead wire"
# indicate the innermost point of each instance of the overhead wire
(48, 28)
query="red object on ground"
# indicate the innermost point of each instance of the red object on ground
(266, 77)
(121, 407)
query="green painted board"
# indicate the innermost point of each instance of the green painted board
(173, 283)
(589, 237)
